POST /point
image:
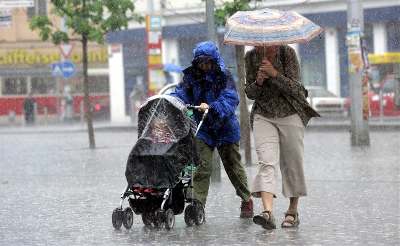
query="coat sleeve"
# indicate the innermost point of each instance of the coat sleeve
(288, 82)
(252, 89)
(181, 91)
(227, 101)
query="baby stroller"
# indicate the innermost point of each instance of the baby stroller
(160, 167)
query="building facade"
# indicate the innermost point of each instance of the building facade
(25, 67)
(25, 60)
(323, 60)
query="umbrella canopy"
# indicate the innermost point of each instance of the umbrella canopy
(169, 67)
(269, 27)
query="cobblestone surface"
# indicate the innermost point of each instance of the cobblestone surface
(55, 191)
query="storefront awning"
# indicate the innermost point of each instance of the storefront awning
(384, 58)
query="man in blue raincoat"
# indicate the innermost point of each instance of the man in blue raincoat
(209, 84)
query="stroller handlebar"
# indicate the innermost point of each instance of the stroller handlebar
(189, 106)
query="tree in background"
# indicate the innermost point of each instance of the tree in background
(221, 15)
(228, 9)
(85, 21)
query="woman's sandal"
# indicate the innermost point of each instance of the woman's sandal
(265, 219)
(291, 220)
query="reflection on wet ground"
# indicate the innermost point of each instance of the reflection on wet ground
(55, 191)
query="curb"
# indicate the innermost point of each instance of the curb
(347, 127)
(127, 128)
(69, 130)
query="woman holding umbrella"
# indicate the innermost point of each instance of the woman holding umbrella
(280, 111)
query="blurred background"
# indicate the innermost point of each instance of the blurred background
(30, 67)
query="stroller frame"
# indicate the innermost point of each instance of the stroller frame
(164, 215)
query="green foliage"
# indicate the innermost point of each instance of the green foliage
(89, 19)
(228, 9)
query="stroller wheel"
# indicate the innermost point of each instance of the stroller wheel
(146, 219)
(169, 219)
(117, 216)
(189, 215)
(128, 218)
(158, 219)
(199, 214)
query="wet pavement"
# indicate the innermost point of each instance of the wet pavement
(56, 191)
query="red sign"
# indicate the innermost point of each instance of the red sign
(66, 50)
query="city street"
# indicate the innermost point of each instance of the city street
(56, 191)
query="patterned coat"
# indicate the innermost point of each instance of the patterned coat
(281, 96)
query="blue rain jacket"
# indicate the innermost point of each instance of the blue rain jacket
(217, 89)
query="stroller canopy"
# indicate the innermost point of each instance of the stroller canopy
(165, 144)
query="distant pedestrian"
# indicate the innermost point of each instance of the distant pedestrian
(208, 83)
(29, 109)
(279, 115)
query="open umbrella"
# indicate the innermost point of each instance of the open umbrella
(170, 67)
(269, 27)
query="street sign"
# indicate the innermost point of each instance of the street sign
(8, 4)
(65, 69)
(155, 22)
(66, 50)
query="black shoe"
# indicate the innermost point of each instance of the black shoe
(266, 220)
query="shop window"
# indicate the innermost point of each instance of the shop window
(313, 62)
(14, 86)
(393, 32)
(39, 8)
(369, 37)
(97, 84)
(45, 85)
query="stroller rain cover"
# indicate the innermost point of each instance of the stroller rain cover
(165, 145)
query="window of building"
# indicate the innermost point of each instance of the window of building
(44, 85)
(369, 37)
(40, 8)
(97, 84)
(313, 62)
(14, 86)
(393, 32)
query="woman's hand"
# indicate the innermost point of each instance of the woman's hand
(261, 76)
(203, 107)
(267, 68)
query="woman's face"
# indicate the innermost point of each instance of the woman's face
(206, 64)
(267, 50)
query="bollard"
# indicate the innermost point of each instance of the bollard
(11, 116)
(381, 103)
(397, 86)
(35, 113)
(46, 115)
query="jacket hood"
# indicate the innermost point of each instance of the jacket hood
(208, 48)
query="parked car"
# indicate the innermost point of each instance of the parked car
(388, 102)
(324, 101)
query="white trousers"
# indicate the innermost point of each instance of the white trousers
(279, 141)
